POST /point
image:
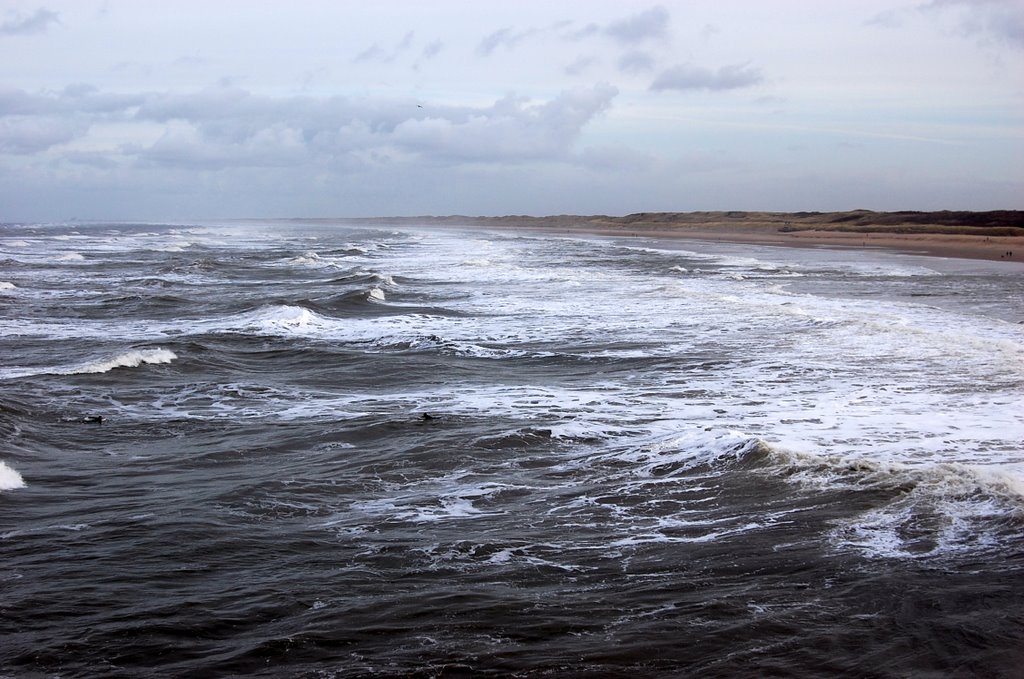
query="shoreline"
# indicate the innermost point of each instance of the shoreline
(954, 246)
(995, 236)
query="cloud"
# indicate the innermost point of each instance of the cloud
(647, 25)
(26, 135)
(432, 49)
(376, 52)
(512, 130)
(33, 123)
(587, 31)
(1002, 20)
(231, 128)
(372, 53)
(636, 61)
(37, 22)
(580, 65)
(688, 77)
(273, 146)
(504, 37)
(651, 24)
(889, 18)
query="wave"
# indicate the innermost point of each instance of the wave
(310, 258)
(9, 478)
(664, 456)
(6, 285)
(172, 247)
(896, 510)
(335, 258)
(281, 317)
(451, 347)
(925, 510)
(131, 359)
(436, 500)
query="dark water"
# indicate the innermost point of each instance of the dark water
(374, 452)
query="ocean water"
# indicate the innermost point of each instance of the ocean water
(330, 451)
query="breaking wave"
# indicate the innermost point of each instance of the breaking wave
(9, 478)
(130, 359)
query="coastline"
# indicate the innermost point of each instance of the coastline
(996, 235)
(988, 248)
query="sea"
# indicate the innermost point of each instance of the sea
(288, 449)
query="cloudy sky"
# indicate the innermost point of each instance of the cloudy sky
(138, 109)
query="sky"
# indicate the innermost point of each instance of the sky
(146, 110)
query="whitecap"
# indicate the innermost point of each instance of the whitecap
(926, 523)
(130, 359)
(686, 451)
(173, 247)
(385, 280)
(282, 317)
(6, 285)
(9, 478)
(308, 259)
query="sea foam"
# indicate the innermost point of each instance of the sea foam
(9, 478)
(130, 359)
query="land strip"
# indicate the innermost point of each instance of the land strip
(992, 235)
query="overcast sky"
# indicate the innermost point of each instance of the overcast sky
(137, 109)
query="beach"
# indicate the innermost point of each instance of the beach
(993, 235)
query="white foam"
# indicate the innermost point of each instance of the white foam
(178, 246)
(683, 451)
(309, 259)
(435, 500)
(375, 295)
(385, 280)
(9, 478)
(6, 285)
(709, 535)
(282, 317)
(927, 522)
(130, 359)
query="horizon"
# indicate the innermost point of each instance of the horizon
(522, 215)
(510, 216)
(137, 111)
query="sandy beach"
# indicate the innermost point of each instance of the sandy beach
(933, 244)
(995, 235)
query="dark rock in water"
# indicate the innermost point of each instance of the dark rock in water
(427, 417)
(92, 419)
